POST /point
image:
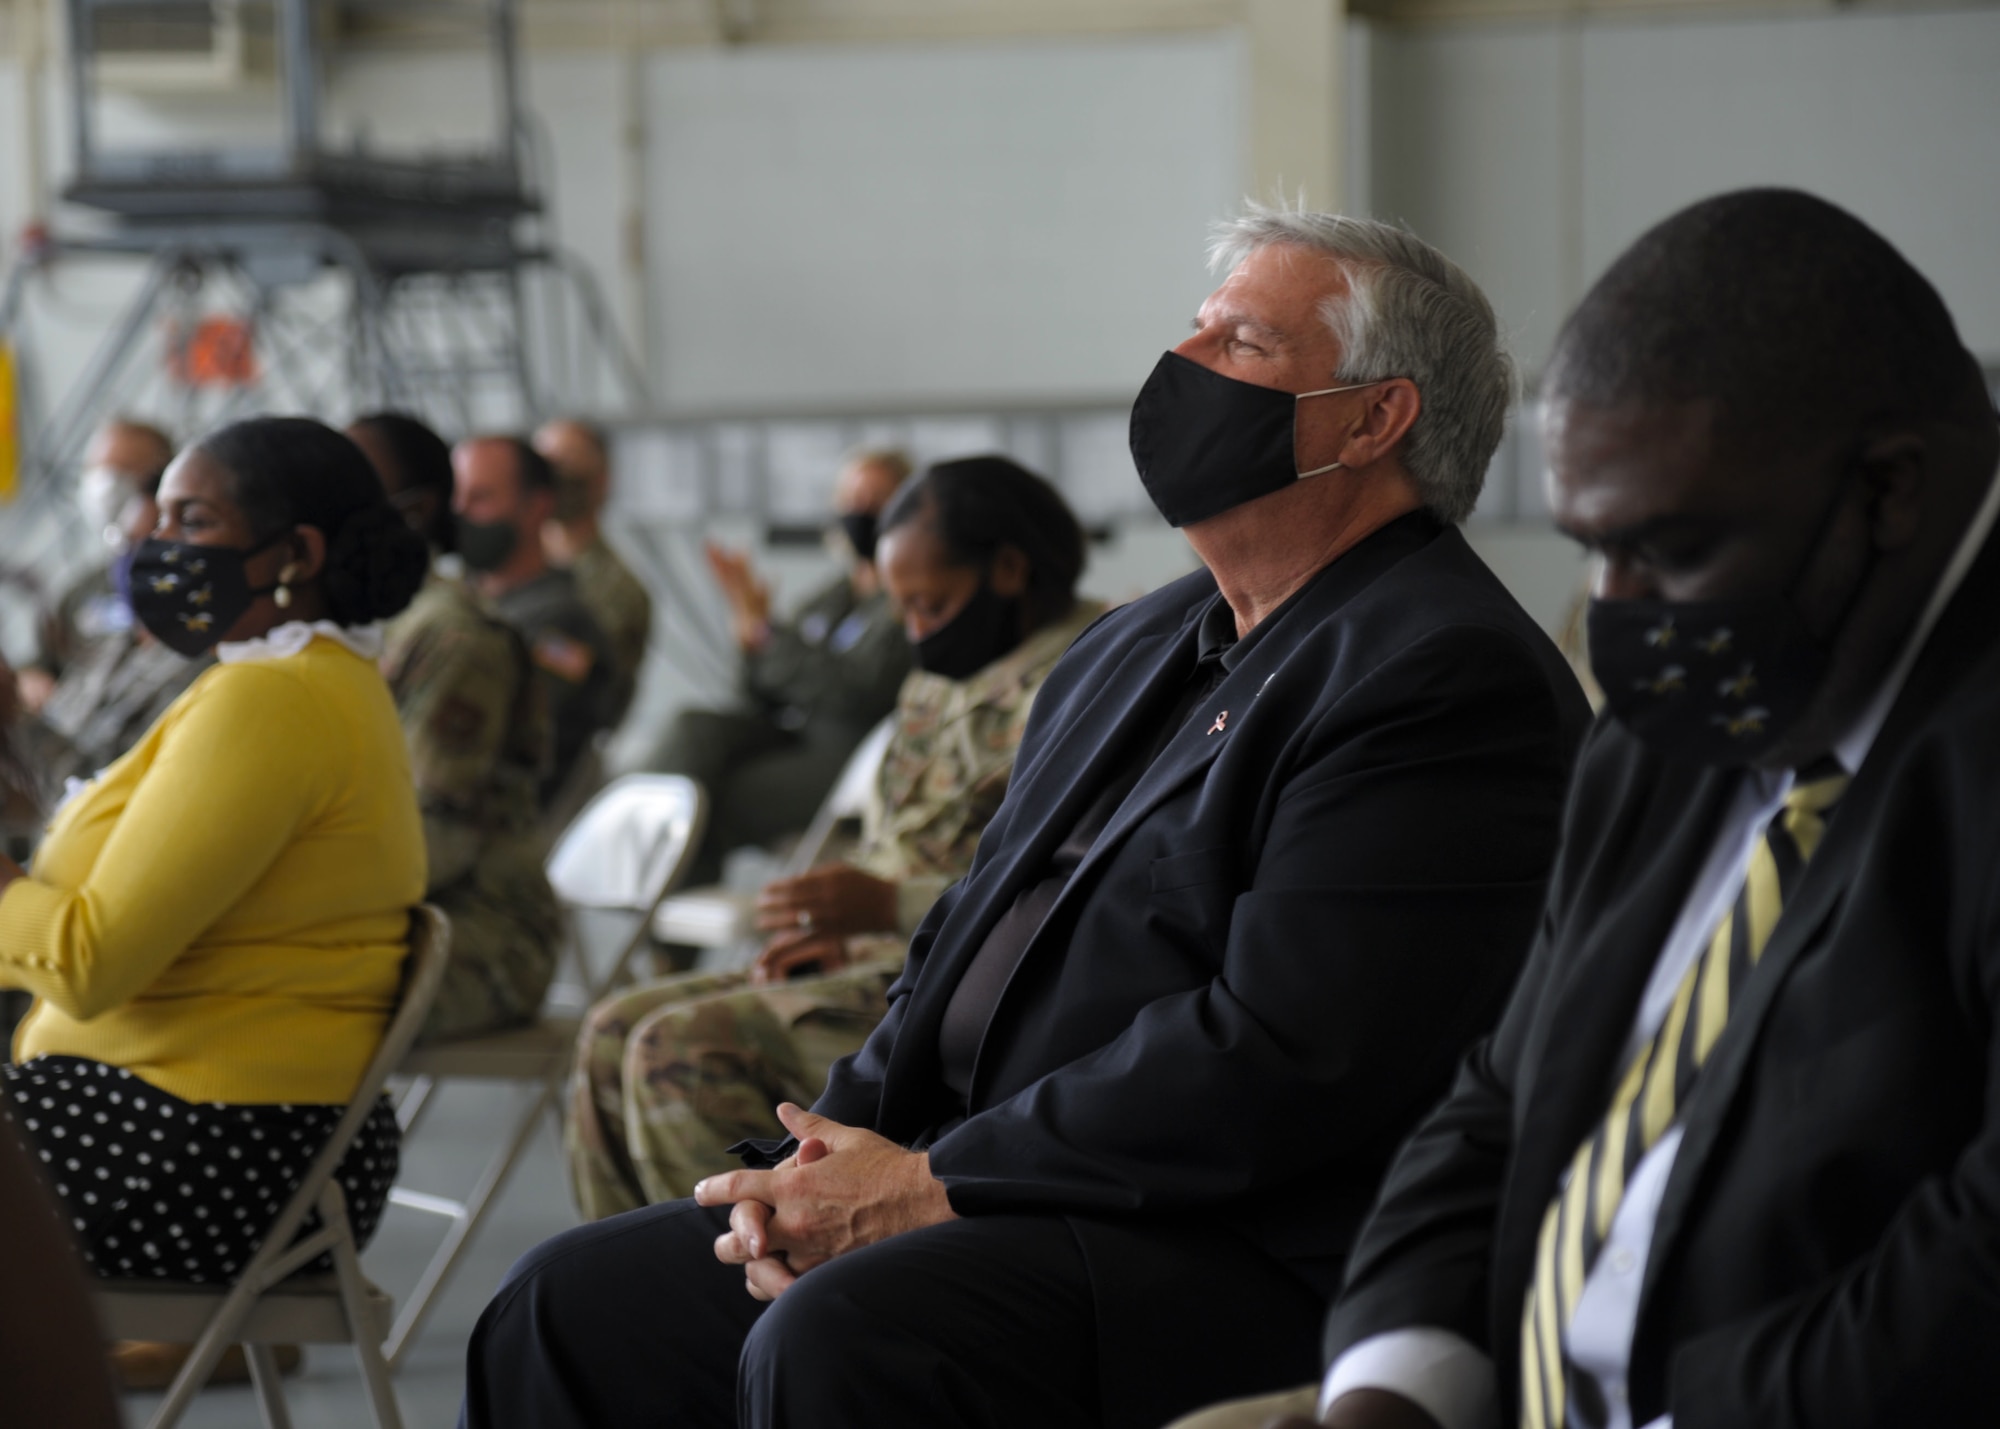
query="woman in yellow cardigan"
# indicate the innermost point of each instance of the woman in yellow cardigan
(215, 924)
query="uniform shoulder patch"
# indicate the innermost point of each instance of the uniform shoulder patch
(457, 722)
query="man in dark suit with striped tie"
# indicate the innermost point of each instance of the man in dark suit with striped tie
(1732, 1158)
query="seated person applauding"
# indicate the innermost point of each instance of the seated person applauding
(981, 557)
(215, 926)
(812, 684)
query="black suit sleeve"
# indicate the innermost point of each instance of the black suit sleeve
(1424, 1256)
(1399, 877)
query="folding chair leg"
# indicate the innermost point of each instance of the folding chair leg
(362, 1325)
(418, 1307)
(219, 1335)
(270, 1387)
(411, 1104)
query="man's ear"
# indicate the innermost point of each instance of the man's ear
(1009, 573)
(1894, 467)
(1392, 409)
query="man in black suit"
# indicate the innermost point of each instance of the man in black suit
(1276, 838)
(1730, 1160)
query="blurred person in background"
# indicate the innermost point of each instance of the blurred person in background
(121, 469)
(475, 719)
(980, 557)
(575, 542)
(215, 927)
(504, 493)
(813, 685)
(112, 689)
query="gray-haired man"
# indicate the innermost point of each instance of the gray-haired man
(1276, 838)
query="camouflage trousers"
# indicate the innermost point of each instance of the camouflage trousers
(670, 1075)
(505, 931)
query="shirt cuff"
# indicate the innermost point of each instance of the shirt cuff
(1665, 1421)
(1442, 1373)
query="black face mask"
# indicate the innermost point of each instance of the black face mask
(1205, 443)
(187, 595)
(985, 628)
(1715, 682)
(861, 530)
(486, 545)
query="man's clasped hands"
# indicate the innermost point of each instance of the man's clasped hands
(843, 1189)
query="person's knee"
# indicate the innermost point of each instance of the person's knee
(812, 1336)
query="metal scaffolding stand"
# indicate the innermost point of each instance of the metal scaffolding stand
(345, 281)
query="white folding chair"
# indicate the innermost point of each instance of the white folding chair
(270, 1304)
(621, 855)
(718, 917)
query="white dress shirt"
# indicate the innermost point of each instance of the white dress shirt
(1446, 1375)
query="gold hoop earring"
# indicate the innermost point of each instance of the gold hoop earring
(283, 594)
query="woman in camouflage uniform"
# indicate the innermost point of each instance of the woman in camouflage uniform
(981, 557)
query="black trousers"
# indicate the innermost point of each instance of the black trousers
(633, 1322)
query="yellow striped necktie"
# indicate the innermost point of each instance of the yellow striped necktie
(1647, 1102)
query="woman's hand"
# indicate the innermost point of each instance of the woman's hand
(838, 899)
(789, 952)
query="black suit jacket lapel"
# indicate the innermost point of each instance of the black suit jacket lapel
(1057, 788)
(1622, 922)
(1199, 742)
(1962, 635)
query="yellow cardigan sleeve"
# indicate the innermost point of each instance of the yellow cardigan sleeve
(246, 761)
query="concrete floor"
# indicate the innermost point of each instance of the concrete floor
(451, 1146)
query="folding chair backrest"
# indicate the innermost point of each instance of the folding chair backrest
(849, 796)
(430, 948)
(628, 848)
(634, 839)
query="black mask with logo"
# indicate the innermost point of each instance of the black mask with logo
(986, 627)
(1715, 682)
(1205, 443)
(187, 595)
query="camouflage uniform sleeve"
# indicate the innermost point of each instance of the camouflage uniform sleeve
(624, 610)
(629, 622)
(454, 699)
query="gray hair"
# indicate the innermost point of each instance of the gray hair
(893, 460)
(1409, 311)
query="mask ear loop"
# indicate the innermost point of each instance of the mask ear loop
(1298, 397)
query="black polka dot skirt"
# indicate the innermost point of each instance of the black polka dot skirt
(159, 1188)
